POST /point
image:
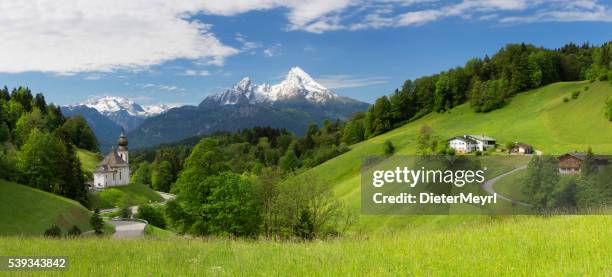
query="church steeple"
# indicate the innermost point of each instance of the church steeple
(122, 148)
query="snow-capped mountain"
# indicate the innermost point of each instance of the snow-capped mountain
(292, 104)
(298, 85)
(113, 104)
(108, 114)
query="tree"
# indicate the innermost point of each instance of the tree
(589, 165)
(142, 175)
(26, 123)
(162, 178)
(232, 206)
(541, 181)
(96, 222)
(289, 161)
(388, 148)
(304, 228)
(425, 141)
(76, 131)
(41, 161)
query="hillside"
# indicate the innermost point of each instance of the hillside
(538, 117)
(580, 246)
(27, 211)
(89, 160)
(133, 194)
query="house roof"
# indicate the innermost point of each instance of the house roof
(581, 156)
(481, 137)
(523, 145)
(463, 138)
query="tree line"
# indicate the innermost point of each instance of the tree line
(486, 84)
(38, 144)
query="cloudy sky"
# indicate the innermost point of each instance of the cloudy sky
(156, 51)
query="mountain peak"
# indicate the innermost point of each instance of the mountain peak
(113, 104)
(297, 85)
(298, 73)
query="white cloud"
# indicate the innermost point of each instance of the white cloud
(193, 72)
(158, 87)
(66, 36)
(92, 77)
(274, 50)
(349, 81)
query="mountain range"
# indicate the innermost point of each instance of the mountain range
(293, 103)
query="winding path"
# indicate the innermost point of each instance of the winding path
(488, 186)
(127, 229)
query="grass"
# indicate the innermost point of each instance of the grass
(537, 117)
(89, 160)
(511, 186)
(518, 246)
(155, 232)
(28, 211)
(135, 193)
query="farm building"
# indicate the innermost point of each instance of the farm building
(469, 143)
(522, 148)
(571, 163)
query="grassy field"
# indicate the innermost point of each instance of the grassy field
(89, 160)
(27, 211)
(519, 246)
(136, 193)
(538, 117)
(510, 186)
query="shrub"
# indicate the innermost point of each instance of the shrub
(575, 94)
(96, 222)
(586, 88)
(388, 148)
(478, 153)
(565, 99)
(153, 215)
(53, 232)
(74, 231)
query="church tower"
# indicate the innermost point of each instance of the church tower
(122, 148)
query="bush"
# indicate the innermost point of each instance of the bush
(478, 153)
(575, 94)
(96, 222)
(565, 99)
(53, 232)
(74, 231)
(153, 215)
(388, 148)
(586, 88)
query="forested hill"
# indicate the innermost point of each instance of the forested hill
(38, 144)
(485, 83)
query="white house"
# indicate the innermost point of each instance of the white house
(469, 143)
(114, 170)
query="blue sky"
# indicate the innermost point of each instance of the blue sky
(166, 52)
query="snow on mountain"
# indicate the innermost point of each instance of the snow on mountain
(113, 104)
(297, 84)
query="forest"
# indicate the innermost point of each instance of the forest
(38, 144)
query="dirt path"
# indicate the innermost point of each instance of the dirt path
(488, 186)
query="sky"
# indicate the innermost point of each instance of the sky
(178, 52)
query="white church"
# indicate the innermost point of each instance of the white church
(114, 170)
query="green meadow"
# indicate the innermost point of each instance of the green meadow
(88, 159)
(24, 210)
(517, 246)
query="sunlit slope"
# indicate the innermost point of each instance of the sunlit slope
(28, 211)
(538, 117)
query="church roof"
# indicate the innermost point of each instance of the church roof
(111, 160)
